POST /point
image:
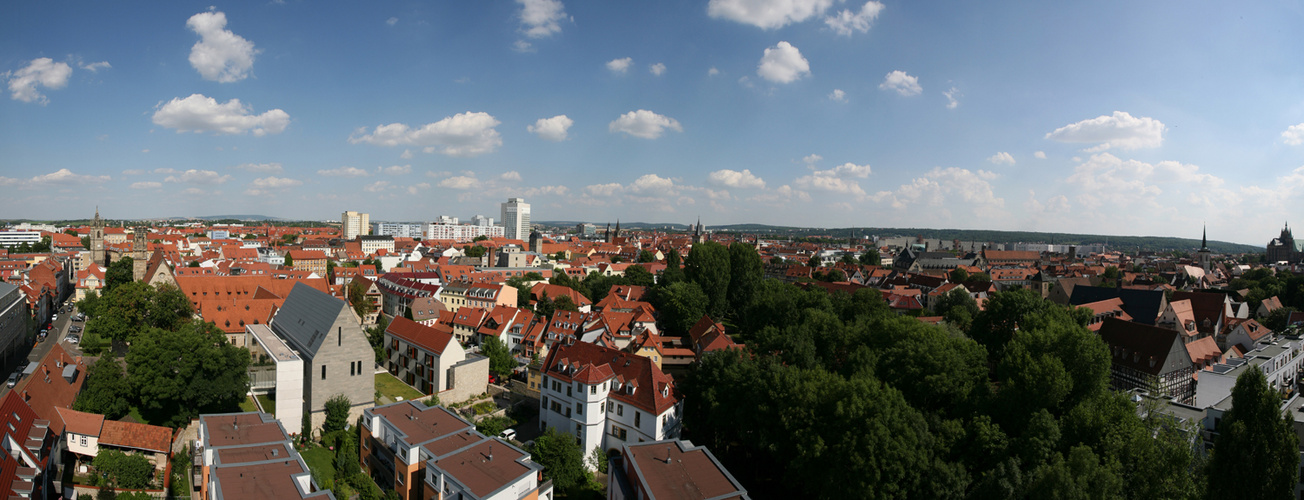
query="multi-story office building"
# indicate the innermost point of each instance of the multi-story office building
(480, 220)
(461, 232)
(399, 229)
(516, 219)
(353, 224)
(15, 238)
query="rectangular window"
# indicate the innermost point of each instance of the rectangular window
(638, 421)
(603, 409)
(618, 433)
(323, 372)
(351, 367)
(578, 430)
(568, 391)
(620, 410)
(593, 389)
(83, 440)
(579, 409)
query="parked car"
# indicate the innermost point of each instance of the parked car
(73, 339)
(75, 328)
(508, 434)
(13, 379)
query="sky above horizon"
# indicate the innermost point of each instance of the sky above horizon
(1127, 118)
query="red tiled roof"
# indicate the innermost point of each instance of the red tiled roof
(434, 339)
(137, 436)
(88, 424)
(634, 370)
(46, 389)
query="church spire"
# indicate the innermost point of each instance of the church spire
(1204, 238)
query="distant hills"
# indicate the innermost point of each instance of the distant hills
(1124, 243)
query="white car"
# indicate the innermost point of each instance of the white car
(73, 339)
(508, 434)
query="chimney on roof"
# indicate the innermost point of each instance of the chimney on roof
(667, 454)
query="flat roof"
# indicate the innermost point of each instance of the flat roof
(274, 481)
(251, 454)
(420, 425)
(486, 467)
(240, 429)
(677, 469)
(271, 343)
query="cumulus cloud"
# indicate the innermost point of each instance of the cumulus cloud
(343, 172)
(942, 188)
(460, 182)
(266, 185)
(43, 72)
(219, 55)
(261, 168)
(651, 183)
(952, 98)
(657, 69)
(1120, 130)
(780, 196)
(95, 67)
(523, 46)
(767, 14)
(199, 113)
(838, 96)
(783, 63)
(464, 134)
(644, 123)
(510, 175)
(541, 18)
(811, 159)
(1001, 158)
(1040, 155)
(146, 185)
(66, 177)
(847, 22)
(1294, 135)
(735, 179)
(552, 129)
(713, 71)
(620, 65)
(391, 21)
(902, 83)
(406, 155)
(395, 170)
(376, 187)
(839, 179)
(193, 176)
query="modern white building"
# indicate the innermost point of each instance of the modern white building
(275, 367)
(480, 220)
(607, 398)
(516, 219)
(399, 229)
(15, 238)
(353, 224)
(461, 232)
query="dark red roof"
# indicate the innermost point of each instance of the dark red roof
(592, 362)
(433, 339)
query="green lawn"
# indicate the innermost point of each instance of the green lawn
(393, 388)
(321, 461)
(269, 404)
(246, 405)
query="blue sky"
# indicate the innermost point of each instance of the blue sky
(1137, 118)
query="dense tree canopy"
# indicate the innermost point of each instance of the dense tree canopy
(118, 273)
(561, 458)
(176, 375)
(708, 266)
(1256, 453)
(105, 391)
(501, 362)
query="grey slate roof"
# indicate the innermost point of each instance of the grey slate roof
(306, 318)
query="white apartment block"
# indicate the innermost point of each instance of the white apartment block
(399, 229)
(461, 232)
(516, 219)
(15, 238)
(353, 224)
(607, 398)
(480, 220)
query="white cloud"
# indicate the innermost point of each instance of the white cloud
(523, 46)
(219, 55)
(838, 179)
(767, 14)
(780, 196)
(657, 69)
(194, 176)
(951, 98)
(846, 22)
(1120, 130)
(1294, 135)
(133, 171)
(1040, 155)
(838, 96)
(713, 71)
(42, 71)
(783, 63)
(407, 154)
(620, 65)
(199, 113)
(95, 67)
(811, 159)
(464, 134)
(651, 184)
(146, 185)
(943, 188)
(736, 179)
(902, 83)
(460, 182)
(395, 170)
(644, 123)
(166, 171)
(608, 189)
(64, 176)
(376, 187)
(1001, 158)
(265, 185)
(391, 21)
(510, 175)
(552, 129)
(540, 18)
(413, 189)
(261, 168)
(343, 172)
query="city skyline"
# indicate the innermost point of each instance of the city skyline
(1102, 119)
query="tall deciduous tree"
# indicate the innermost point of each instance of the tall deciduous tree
(179, 374)
(105, 391)
(561, 458)
(501, 362)
(1256, 453)
(119, 273)
(708, 266)
(679, 306)
(337, 413)
(745, 274)
(673, 273)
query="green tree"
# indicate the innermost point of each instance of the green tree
(597, 460)
(1276, 320)
(479, 238)
(194, 264)
(86, 242)
(708, 266)
(673, 272)
(475, 251)
(745, 274)
(337, 413)
(957, 307)
(177, 375)
(289, 261)
(357, 294)
(561, 458)
(814, 261)
(1256, 453)
(646, 256)
(639, 276)
(346, 457)
(501, 362)
(958, 275)
(105, 391)
(679, 306)
(127, 471)
(119, 273)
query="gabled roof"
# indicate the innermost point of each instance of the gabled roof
(1143, 305)
(1142, 347)
(136, 436)
(434, 339)
(306, 318)
(568, 360)
(76, 422)
(1204, 350)
(46, 389)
